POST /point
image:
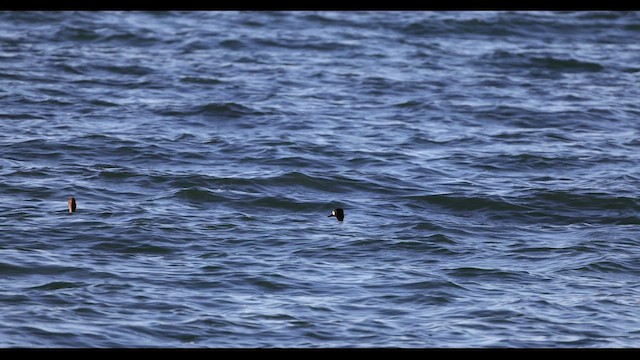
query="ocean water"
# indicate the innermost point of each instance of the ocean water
(487, 163)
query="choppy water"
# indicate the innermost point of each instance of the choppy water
(487, 163)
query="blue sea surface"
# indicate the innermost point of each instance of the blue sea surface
(488, 163)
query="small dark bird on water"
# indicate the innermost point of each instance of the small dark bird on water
(71, 204)
(338, 214)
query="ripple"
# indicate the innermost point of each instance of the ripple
(58, 285)
(486, 162)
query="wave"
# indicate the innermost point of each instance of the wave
(213, 110)
(204, 80)
(622, 267)
(198, 195)
(58, 285)
(533, 61)
(539, 205)
(565, 65)
(462, 202)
